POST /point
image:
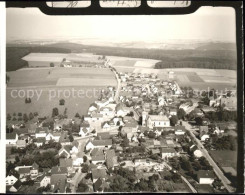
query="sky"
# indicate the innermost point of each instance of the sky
(207, 23)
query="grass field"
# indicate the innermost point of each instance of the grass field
(225, 158)
(58, 82)
(47, 101)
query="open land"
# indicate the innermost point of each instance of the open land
(49, 81)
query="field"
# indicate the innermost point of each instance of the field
(79, 87)
(198, 79)
(34, 77)
(225, 158)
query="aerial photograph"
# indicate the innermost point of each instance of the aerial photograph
(121, 103)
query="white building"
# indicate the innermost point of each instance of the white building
(158, 121)
(10, 180)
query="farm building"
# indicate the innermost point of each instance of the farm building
(61, 59)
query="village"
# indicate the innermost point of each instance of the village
(146, 134)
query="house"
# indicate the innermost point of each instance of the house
(98, 173)
(173, 111)
(229, 103)
(53, 136)
(66, 162)
(204, 136)
(34, 169)
(41, 132)
(21, 144)
(111, 159)
(141, 161)
(75, 147)
(100, 185)
(118, 121)
(58, 183)
(205, 177)
(98, 159)
(84, 129)
(78, 160)
(93, 107)
(108, 111)
(40, 141)
(158, 121)
(121, 110)
(102, 103)
(65, 151)
(168, 152)
(106, 126)
(59, 171)
(45, 180)
(203, 129)
(179, 130)
(107, 143)
(15, 187)
(10, 180)
(103, 135)
(24, 171)
(11, 138)
(64, 139)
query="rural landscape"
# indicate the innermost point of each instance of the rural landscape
(123, 116)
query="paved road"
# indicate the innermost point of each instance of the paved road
(217, 170)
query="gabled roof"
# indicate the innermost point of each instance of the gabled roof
(105, 142)
(97, 152)
(11, 135)
(59, 170)
(75, 143)
(41, 139)
(17, 184)
(168, 150)
(111, 158)
(98, 158)
(42, 130)
(64, 162)
(59, 182)
(24, 170)
(158, 118)
(99, 173)
(35, 165)
(103, 135)
(64, 137)
(84, 124)
(205, 174)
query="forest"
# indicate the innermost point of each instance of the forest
(187, 58)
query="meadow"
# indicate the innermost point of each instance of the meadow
(79, 87)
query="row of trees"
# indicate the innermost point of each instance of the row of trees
(21, 116)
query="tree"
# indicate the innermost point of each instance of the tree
(71, 138)
(173, 120)
(85, 158)
(181, 114)
(85, 168)
(51, 64)
(9, 117)
(77, 115)
(62, 102)
(199, 121)
(25, 118)
(28, 100)
(31, 116)
(55, 112)
(125, 142)
(82, 187)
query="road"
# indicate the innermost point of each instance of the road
(217, 170)
(118, 87)
(188, 183)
